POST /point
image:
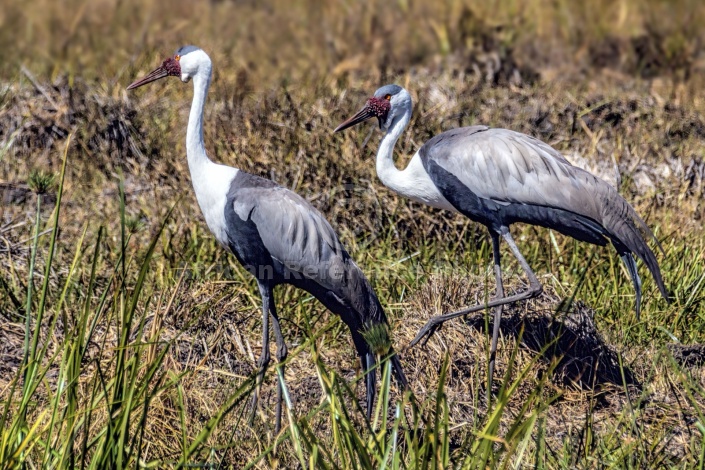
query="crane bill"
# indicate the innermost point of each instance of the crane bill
(363, 115)
(156, 74)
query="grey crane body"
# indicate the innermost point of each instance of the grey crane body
(281, 239)
(540, 187)
(275, 234)
(499, 177)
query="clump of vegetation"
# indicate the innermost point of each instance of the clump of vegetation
(127, 334)
(377, 336)
(40, 182)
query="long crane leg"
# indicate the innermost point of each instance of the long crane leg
(282, 353)
(534, 290)
(499, 294)
(267, 300)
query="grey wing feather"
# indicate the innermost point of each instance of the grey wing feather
(509, 167)
(297, 235)
(292, 230)
(505, 166)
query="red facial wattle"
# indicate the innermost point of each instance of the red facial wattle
(374, 107)
(380, 107)
(172, 67)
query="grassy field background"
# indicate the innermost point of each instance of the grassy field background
(128, 338)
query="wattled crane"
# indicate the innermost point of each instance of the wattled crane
(498, 177)
(275, 234)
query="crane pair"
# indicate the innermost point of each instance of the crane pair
(492, 176)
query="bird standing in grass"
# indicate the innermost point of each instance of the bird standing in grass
(276, 235)
(498, 177)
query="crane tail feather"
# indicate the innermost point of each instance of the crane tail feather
(630, 264)
(370, 381)
(364, 313)
(646, 230)
(398, 371)
(629, 234)
(367, 362)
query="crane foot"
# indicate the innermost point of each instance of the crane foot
(426, 332)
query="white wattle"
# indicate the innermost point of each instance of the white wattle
(211, 181)
(412, 182)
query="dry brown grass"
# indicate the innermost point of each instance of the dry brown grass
(616, 86)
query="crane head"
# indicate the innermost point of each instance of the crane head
(185, 63)
(384, 105)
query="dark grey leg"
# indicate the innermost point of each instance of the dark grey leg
(535, 288)
(282, 353)
(266, 293)
(499, 294)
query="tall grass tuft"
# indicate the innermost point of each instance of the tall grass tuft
(62, 392)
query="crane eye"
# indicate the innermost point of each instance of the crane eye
(177, 57)
(387, 97)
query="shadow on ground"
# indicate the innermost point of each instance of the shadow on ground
(570, 339)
